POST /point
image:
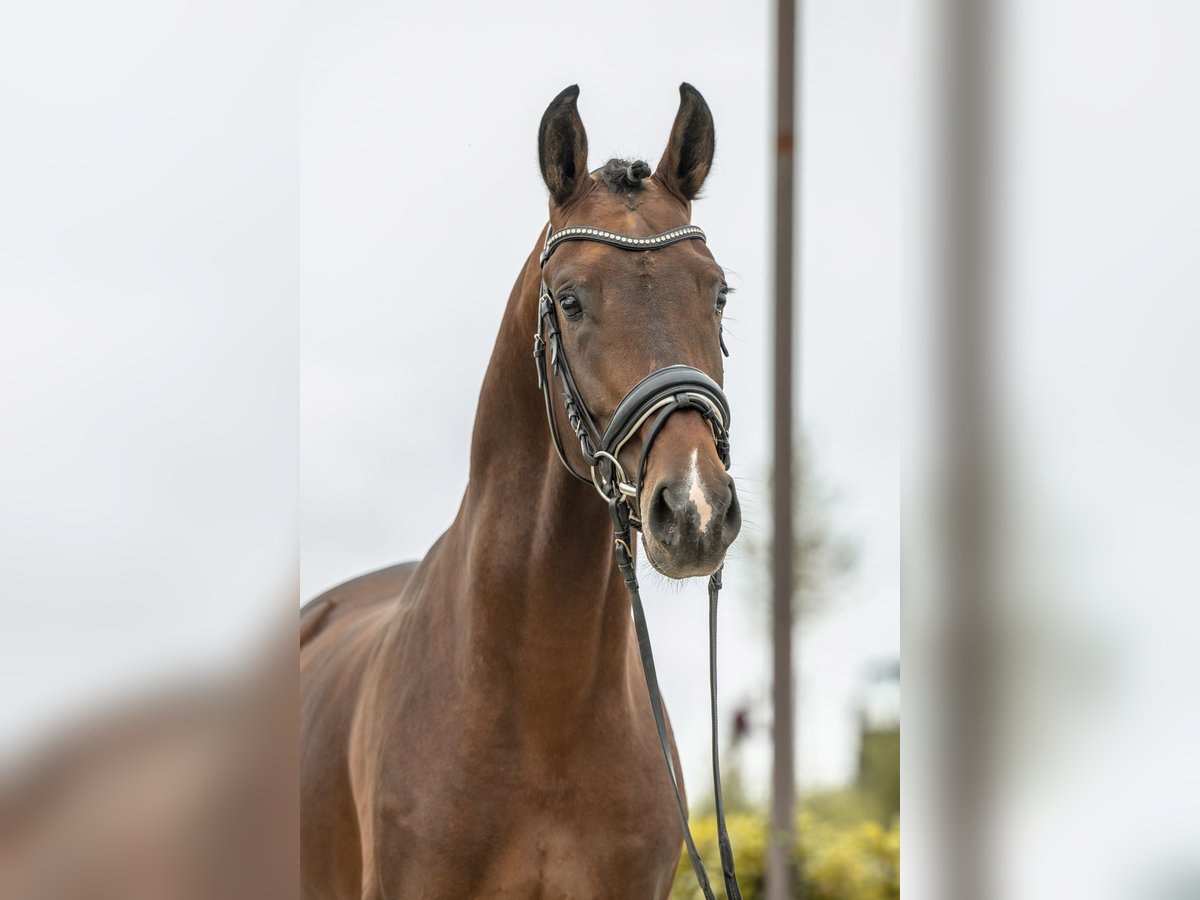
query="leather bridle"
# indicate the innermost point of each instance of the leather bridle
(656, 397)
(662, 392)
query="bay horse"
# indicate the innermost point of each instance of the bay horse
(476, 724)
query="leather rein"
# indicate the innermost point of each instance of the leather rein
(657, 396)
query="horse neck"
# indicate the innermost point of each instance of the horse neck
(549, 614)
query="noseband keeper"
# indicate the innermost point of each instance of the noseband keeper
(661, 393)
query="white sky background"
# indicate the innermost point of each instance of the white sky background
(418, 119)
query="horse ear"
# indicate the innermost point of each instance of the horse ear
(689, 155)
(562, 147)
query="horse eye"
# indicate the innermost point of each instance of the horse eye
(571, 306)
(722, 299)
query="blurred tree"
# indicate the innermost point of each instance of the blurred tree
(824, 555)
(879, 770)
(875, 794)
(856, 860)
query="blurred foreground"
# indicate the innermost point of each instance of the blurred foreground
(189, 795)
(833, 861)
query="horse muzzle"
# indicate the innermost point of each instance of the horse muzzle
(690, 512)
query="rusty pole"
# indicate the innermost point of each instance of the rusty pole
(783, 789)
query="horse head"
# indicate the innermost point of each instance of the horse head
(634, 301)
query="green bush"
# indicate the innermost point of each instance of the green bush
(834, 860)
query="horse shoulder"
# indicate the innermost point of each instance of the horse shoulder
(337, 630)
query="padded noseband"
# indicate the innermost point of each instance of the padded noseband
(644, 397)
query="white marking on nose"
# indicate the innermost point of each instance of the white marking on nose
(696, 493)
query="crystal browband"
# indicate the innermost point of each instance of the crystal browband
(582, 233)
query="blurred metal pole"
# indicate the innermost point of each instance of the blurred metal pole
(967, 307)
(783, 777)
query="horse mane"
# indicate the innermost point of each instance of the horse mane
(622, 176)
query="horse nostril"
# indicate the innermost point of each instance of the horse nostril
(732, 523)
(663, 520)
(674, 501)
(725, 496)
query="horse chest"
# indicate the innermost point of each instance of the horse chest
(595, 823)
(536, 856)
(571, 862)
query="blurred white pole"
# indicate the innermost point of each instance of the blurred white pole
(783, 788)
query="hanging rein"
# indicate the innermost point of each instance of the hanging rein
(659, 395)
